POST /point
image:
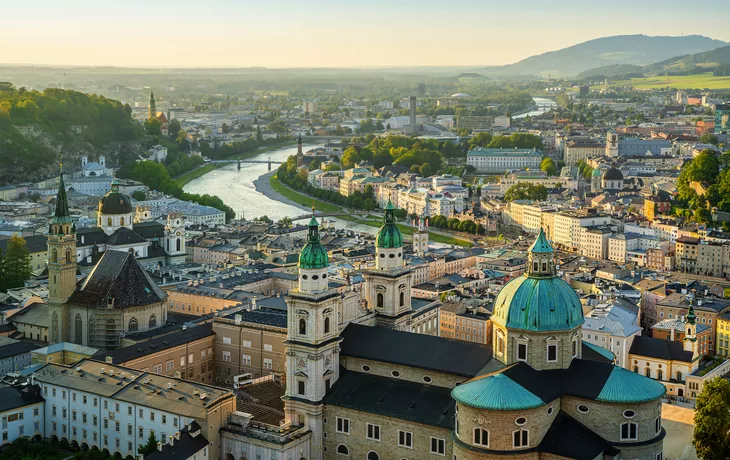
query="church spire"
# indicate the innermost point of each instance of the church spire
(62, 214)
(153, 107)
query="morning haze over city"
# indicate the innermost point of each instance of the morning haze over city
(389, 230)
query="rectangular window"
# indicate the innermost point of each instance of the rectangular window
(190, 358)
(629, 431)
(170, 365)
(522, 351)
(343, 425)
(141, 413)
(227, 340)
(226, 356)
(140, 433)
(405, 439)
(129, 429)
(182, 361)
(247, 344)
(95, 420)
(373, 432)
(268, 347)
(268, 364)
(438, 446)
(552, 353)
(246, 360)
(301, 387)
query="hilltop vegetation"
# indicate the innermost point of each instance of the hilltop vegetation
(37, 129)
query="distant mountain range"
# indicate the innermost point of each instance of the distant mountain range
(637, 50)
(707, 61)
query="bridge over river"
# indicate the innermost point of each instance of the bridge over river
(269, 162)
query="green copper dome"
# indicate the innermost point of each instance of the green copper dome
(389, 235)
(538, 300)
(624, 386)
(496, 392)
(313, 255)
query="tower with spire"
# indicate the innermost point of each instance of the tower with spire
(420, 237)
(388, 286)
(300, 154)
(690, 333)
(62, 263)
(152, 112)
(312, 345)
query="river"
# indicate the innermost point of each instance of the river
(236, 188)
(543, 105)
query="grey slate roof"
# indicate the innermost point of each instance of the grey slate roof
(15, 398)
(659, 348)
(184, 448)
(417, 350)
(34, 243)
(118, 275)
(427, 404)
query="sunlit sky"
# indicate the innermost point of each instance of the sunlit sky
(329, 33)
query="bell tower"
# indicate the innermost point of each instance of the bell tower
(690, 333)
(300, 154)
(62, 264)
(312, 345)
(388, 286)
(152, 113)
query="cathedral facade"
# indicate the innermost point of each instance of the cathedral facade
(380, 392)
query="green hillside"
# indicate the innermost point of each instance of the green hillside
(38, 129)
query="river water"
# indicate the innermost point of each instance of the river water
(543, 105)
(237, 190)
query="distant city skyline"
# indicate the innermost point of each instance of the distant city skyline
(286, 33)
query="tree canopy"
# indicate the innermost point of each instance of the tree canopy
(712, 421)
(15, 264)
(526, 191)
(549, 166)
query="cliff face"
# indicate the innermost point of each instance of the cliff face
(40, 129)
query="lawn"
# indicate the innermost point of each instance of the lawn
(194, 174)
(698, 81)
(297, 197)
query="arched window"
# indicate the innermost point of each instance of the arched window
(168, 245)
(380, 300)
(648, 372)
(521, 438)
(402, 298)
(78, 330)
(54, 256)
(679, 376)
(121, 221)
(481, 437)
(544, 266)
(659, 374)
(636, 369)
(500, 343)
(689, 331)
(133, 325)
(68, 256)
(343, 450)
(108, 221)
(326, 324)
(54, 327)
(534, 266)
(178, 243)
(153, 321)
(302, 326)
(373, 455)
(629, 431)
(575, 348)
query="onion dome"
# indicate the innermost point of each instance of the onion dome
(613, 174)
(115, 202)
(389, 235)
(313, 255)
(538, 300)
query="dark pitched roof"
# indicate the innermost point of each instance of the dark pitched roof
(149, 229)
(427, 404)
(263, 401)
(567, 438)
(123, 235)
(91, 236)
(118, 275)
(15, 349)
(14, 398)
(142, 349)
(416, 350)
(591, 354)
(659, 348)
(184, 448)
(34, 243)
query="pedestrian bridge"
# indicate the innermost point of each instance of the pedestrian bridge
(269, 162)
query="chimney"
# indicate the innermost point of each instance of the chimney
(159, 446)
(253, 303)
(172, 441)
(238, 319)
(109, 360)
(671, 335)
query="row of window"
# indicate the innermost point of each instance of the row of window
(372, 433)
(247, 344)
(21, 430)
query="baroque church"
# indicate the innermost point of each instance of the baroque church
(368, 390)
(117, 296)
(121, 227)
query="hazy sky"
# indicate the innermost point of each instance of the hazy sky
(329, 33)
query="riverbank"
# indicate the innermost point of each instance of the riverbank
(270, 186)
(184, 178)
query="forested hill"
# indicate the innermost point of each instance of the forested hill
(37, 129)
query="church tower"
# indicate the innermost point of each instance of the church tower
(300, 154)
(152, 113)
(62, 264)
(174, 238)
(420, 238)
(690, 336)
(312, 345)
(388, 286)
(596, 180)
(611, 144)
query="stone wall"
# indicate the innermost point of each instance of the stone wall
(605, 419)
